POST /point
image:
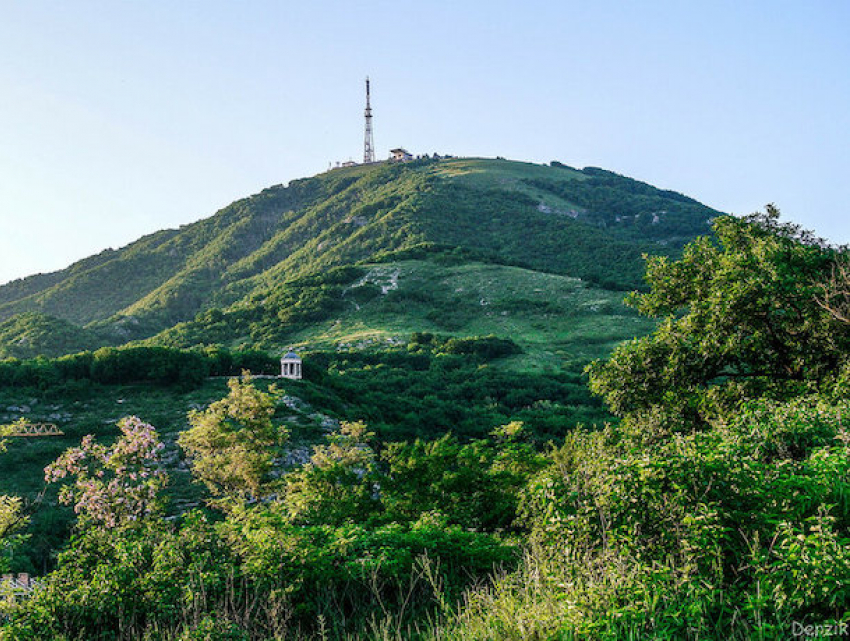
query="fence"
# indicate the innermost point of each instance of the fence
(17, 585)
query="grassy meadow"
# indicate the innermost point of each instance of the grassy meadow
(560, 323)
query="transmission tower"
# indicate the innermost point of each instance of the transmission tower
(369, 144)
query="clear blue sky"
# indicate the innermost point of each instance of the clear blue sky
(121, 118)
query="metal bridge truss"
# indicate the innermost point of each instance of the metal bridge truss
(34, 429)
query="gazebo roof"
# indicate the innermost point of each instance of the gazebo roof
(291, 355)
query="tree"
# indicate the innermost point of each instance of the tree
(834, 296)
(12, 518)
(740, 319)
(113, 486)
(5, 430)
(337, 485)
(474, 484)
(231, 442)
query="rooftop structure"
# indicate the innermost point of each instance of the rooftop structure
(400, 155)
(16, 585)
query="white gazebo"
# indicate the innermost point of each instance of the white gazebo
(290, 365)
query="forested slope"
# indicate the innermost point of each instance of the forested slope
(587, 224)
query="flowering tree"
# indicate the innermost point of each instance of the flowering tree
(113, 486)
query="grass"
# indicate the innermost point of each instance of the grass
(485, 174)
(558, 321)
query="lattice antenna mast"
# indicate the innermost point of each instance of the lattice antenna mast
(369, 144)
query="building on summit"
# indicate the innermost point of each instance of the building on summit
(400, 155)
(290, 366)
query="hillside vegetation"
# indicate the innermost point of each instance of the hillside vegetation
(587, 224)
(424, 490)
(32, 334)
(559, 322)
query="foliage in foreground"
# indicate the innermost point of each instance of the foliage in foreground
(343, 536)
(231, 442)
(718, 508)
(741, 320)
(735, 532)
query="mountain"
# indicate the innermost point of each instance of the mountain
(264, 268)
(31, 334)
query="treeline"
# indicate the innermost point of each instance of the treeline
(120, 365)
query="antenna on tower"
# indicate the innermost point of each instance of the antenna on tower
(369, 144)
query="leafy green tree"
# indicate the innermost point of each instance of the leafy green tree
(740, 319)
(119, 584)
(338, 484)
(473, 484)
(231, 443)
(12, 519)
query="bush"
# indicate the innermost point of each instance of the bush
(138, 364)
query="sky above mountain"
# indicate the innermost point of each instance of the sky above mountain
(119, 119)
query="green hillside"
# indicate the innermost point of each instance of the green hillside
(558, 321)
(417, 388)
(33, 334)
(587, 224)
